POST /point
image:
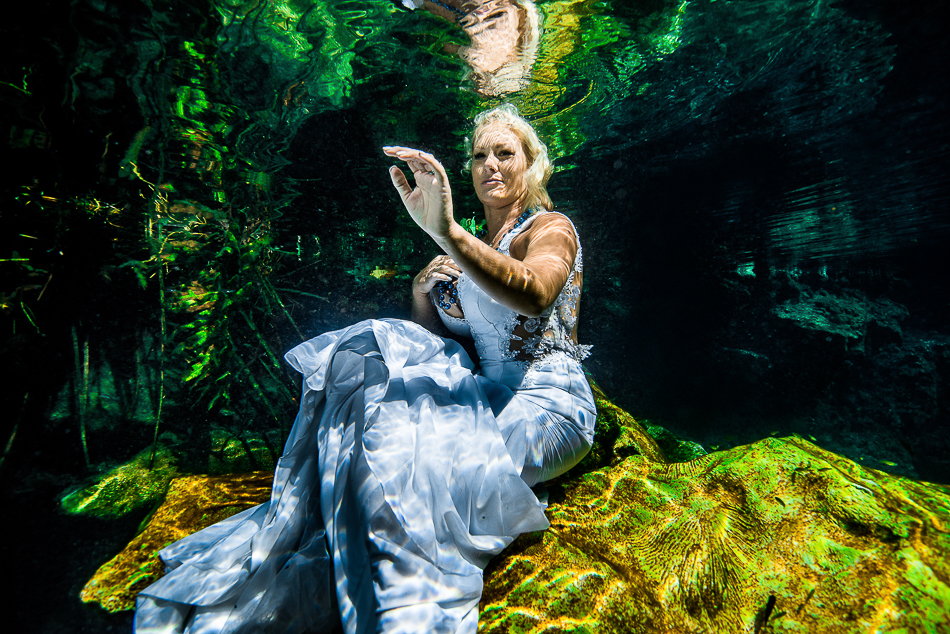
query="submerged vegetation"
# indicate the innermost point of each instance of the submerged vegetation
(177, 221)
(188, 236)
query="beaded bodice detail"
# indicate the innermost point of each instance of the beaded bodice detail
(503, 336)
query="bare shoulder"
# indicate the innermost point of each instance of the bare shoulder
(552, 226)
(554, 219)
(548, 232)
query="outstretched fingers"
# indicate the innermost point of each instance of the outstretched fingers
(416, 160)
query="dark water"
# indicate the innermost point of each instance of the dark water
(193, 186)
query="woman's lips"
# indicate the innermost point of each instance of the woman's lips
(490, 181)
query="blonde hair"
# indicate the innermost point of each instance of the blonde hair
(539, 165)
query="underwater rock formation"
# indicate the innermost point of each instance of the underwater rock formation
(133, 485)
(778, 535)
(192, 503)
(847, 320)
(709, 545)
(853, 370)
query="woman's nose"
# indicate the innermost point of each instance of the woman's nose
(491, 162)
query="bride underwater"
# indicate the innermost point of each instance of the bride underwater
(407, 469)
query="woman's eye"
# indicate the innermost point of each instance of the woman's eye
(479, 156)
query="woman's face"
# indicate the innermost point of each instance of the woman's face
(499, 164)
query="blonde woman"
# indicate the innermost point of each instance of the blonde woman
(406, 469)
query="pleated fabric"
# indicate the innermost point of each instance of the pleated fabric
(404, 473)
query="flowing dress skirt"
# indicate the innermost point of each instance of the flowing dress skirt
(395, 488)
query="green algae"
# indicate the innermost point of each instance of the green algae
(137, 484)
(641, 545)
(700, 546)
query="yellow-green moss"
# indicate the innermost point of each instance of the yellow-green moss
(641, 545)
(125, 488)
(700, 547)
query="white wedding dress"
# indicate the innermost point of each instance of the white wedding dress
(404, 473)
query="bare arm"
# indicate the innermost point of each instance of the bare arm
(541, 259)
(425, 314)
(527, 285)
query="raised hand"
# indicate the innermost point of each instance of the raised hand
(430, 202)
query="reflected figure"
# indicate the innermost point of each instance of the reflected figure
(504, 38)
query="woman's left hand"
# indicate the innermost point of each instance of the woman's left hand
(430, 203)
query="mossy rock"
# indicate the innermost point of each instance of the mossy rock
(617, 435)
(192, 503)
(675, 449)
(642, 545)
(704, 546)
(138, 483)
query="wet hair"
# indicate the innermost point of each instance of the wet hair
(539, 165)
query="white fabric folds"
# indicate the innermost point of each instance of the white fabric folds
(401, 478)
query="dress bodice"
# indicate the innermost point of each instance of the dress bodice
(509, 344)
